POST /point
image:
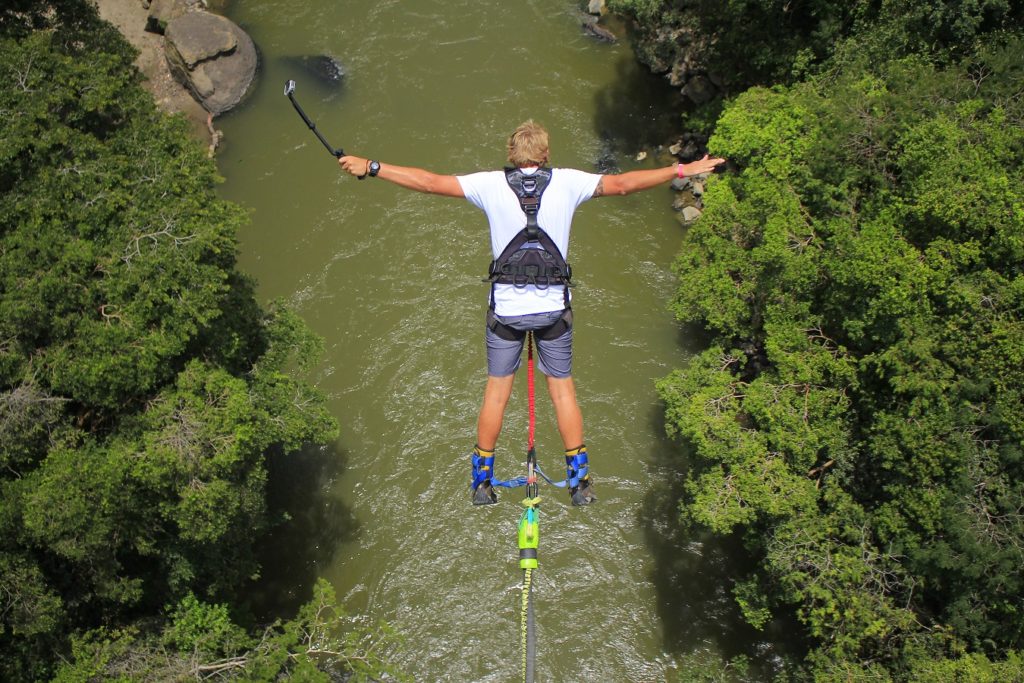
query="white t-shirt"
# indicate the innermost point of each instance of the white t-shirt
(490, 191)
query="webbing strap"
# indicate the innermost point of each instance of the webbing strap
(560, 484)
(576, 469)
(530, 206)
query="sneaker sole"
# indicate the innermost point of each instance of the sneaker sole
(484, 496)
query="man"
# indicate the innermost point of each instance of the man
(529, 278)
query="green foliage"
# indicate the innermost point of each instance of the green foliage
(706, 667)
(320, 644)
(203, 629)
(141, 384)
(972, 668)
(753, 603)
(29, 605)
(857, 417)
(94, 654)
(323, 638)
(116, 258)
(74, 24)
(743, 43)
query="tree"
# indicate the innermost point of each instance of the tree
(200, 641)
(141, 384)
(744, 43)
(857, 417)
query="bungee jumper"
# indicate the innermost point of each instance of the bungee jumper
(529, 208)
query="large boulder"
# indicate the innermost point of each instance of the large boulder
(212, 57)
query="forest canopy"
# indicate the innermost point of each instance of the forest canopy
(141, 386)
(857, 418)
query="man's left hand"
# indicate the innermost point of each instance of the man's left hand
(705, 165)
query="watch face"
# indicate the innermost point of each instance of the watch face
(374, 168)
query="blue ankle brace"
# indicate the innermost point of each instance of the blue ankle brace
(483, 469)
(576, 468)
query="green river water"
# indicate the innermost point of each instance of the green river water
(390, 279)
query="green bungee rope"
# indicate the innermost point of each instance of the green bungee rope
(529, 537)
(529, 532)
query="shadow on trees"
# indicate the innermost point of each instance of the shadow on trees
(694, 574)
(311, 523)
(693, 339)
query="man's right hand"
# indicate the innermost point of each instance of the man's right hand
(356, 166)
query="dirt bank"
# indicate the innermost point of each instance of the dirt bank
(129, 16)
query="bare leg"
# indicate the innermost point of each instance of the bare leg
(492, 412)
(567, 411)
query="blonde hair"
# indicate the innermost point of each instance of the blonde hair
(528, 145)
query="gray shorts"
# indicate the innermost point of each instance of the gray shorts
(554, 356)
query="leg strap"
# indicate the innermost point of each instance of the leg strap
(502, 330)
(576, 466)
(483, 466)
(483, 471)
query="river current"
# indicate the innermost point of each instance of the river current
(391, 280)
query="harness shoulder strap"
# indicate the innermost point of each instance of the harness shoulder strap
(528, 189)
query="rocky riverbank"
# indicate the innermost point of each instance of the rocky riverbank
(196, 63)
(130, 17)
(150, 26)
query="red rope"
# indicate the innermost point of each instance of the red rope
(529, 386)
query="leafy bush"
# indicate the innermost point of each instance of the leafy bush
(141, 385)
(858, 414)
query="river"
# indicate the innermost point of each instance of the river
(391, 280)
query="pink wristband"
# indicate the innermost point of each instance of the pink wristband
(679, 171)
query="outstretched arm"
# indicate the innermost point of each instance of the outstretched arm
(636, 181)
(412, 178)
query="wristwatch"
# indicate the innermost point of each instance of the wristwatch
(373, 169)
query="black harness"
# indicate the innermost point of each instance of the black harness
(531, 257)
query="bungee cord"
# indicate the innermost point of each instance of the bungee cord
(529, 531)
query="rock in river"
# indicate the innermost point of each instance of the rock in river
(327, 70)
(592, 28)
